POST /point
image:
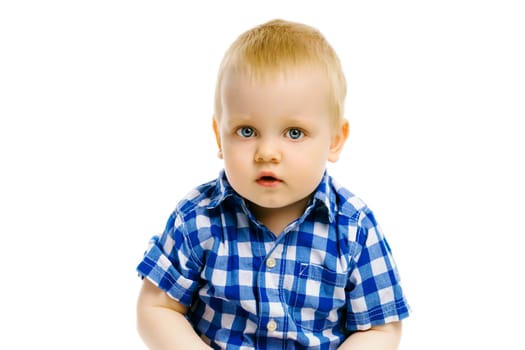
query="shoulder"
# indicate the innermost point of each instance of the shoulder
(352, 214)
(349, 205)
(198, 199)
(194, 214)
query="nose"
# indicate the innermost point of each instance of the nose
(267, 151)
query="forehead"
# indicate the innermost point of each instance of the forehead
(300, 87)
(259, 73)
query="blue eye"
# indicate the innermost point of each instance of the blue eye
(295, 134)
(245, 132)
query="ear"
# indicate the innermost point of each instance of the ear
(338, 141)
(217, 136)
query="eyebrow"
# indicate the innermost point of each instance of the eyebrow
(240, 118)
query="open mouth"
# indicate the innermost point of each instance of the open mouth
(268, 180)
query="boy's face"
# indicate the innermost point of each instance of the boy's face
(276, 135)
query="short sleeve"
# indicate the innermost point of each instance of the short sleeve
(170, 264)
(374, 292)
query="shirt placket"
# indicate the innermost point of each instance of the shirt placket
(272, 318)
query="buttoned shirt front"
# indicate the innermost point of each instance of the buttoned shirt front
(328, 274)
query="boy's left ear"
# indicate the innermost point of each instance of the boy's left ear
(338, 141)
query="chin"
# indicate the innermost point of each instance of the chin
(267, 205)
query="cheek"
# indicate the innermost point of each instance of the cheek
(313, 155)
(237, 159)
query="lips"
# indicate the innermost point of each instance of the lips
(268, 179)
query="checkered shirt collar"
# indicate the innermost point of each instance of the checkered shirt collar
(324, 197)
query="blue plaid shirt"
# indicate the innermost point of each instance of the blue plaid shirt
(328, 274)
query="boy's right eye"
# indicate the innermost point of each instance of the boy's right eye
(245, 132)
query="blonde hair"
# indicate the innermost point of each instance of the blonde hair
(278, 46)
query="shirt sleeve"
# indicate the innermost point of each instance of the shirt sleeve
(374, 292)
(169, 262)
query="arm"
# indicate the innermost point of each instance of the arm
(385, 337)
(161, 323)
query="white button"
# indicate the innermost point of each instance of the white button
(271, 326)
(270, 263)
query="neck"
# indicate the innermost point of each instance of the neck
(276, 219)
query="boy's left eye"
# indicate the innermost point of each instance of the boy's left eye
(295, 133)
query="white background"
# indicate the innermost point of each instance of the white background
(106, 110)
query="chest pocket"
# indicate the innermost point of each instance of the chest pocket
(317, 297)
